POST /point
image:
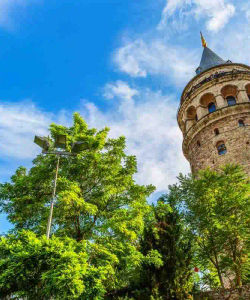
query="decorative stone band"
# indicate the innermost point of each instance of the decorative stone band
(212, 79)
(211, 118)
(236, 70)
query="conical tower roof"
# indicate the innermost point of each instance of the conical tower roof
(209, 59)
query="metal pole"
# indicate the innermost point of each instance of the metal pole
(52, 200)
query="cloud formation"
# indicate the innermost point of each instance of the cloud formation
(19, 122)
(119, 89)
(140, 58)
(216, 13)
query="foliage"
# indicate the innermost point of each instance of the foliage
(166, 233)
(98, 203)
(166, 271)
(40, 268)
(216, 206)
(96, 193)
(60, 268)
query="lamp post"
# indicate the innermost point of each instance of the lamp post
(52, 200)
(60, 143)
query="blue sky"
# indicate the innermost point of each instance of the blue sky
(121, 63)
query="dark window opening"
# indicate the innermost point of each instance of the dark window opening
(196, 118)
(248, 97)
(221, 149)
(211, 107)
(241, 123)
(198, 143)
(198, 70)
(231, 100)
(216, 131)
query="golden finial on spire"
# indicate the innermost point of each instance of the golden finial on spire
(204, 43)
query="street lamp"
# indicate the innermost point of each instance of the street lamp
(42, 142)
(60, 143)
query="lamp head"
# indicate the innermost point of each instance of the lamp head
(60, 141)
(42, 142)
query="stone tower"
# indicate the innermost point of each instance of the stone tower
(214, 114)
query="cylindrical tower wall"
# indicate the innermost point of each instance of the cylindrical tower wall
(214, 117)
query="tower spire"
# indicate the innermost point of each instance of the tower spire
(203, 41)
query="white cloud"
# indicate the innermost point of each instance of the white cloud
(217, 13)
(140, 58)
(7, 7)
(152, 133)
(18, 124)
(245, 8)
(128, 60)
(119, 89)
(235, 43)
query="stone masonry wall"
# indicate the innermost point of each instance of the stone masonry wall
(233, 294)
(198, 124)
(203, 151)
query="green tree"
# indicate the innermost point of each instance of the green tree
(216, 205)
(166, 270)
(59, 268)
(166, 233)
(97, 201)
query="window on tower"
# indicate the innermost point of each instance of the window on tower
(211, 107)
(221, 148)
(248, 91)
(216, 131)
(241, 123)
(231, 100)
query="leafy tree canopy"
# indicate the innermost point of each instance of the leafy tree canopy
(216, 206)
(38, 268)
(166, 244)
(97, 197)
(165, 232)
(97, 203)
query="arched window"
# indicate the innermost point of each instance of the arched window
(216, 131)
(211, 107)
(241, 123)
(231, 100)
(248, 91)
(190, 117)
(221, 148)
